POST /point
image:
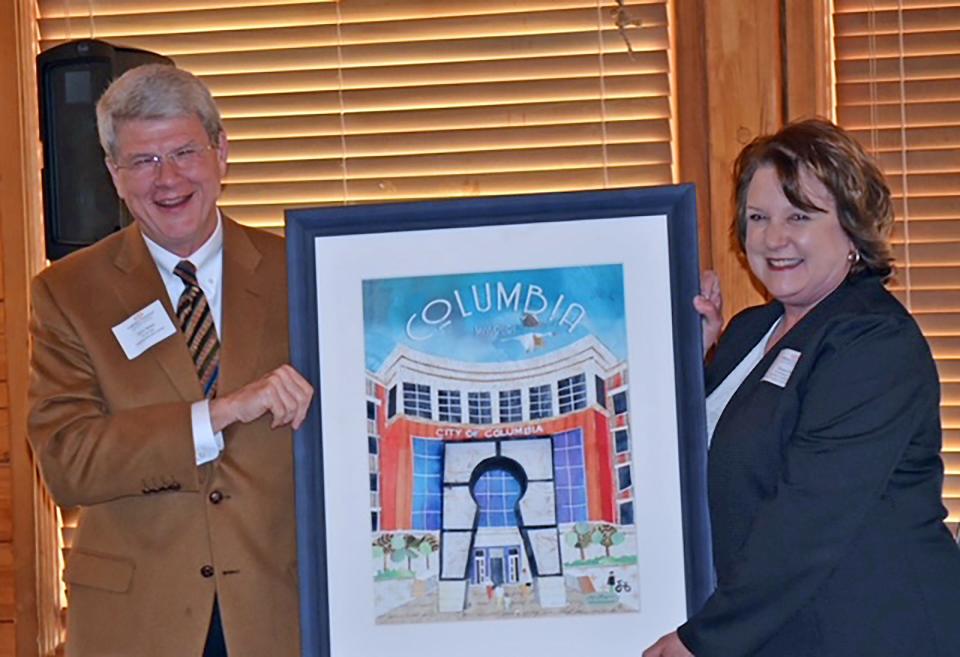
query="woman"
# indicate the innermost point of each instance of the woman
(825, 475)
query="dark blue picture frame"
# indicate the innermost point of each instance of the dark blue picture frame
(304, 226)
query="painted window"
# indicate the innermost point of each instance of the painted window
(480, 407)
(373, 446)
(371, 417)
(620, 403)
(621, 440)
(626, 512)
(497, 492)
(479, 566)
(448, 406)
(511, 406)
(392, 402)
(541, 402)
(601, 392)
(513, 564)
(427, 483)
(624, 479)
(416, 400)
(572, 393)
(570, 476)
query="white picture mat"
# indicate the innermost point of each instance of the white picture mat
(342, 264)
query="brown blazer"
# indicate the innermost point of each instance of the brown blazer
(158, 536)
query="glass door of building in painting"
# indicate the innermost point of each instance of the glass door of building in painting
(496, 568)
(497, 565)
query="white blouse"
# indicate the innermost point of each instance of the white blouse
(721, 395)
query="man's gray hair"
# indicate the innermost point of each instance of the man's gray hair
(155, 91)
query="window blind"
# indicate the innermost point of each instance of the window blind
(364, 101)
(898, 90)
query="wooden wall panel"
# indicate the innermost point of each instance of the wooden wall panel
(6, 506)
(730, 86)
(744, 89)
(21, 244)
(7, 598)
(4, 435)
(808, 80)
(8, 641)
(693, 156)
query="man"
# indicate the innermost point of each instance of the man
(161, 403)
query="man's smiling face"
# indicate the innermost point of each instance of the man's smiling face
(175, 201)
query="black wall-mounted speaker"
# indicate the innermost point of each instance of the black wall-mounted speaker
(80, 205)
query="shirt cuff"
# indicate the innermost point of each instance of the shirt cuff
(207, 445)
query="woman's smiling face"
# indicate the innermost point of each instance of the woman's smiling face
(800, 256)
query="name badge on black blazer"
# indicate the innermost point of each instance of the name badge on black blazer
(782, 367)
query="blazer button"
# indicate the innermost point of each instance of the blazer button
(216, 497)
(207, 571)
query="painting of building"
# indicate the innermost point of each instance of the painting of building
(500, 445)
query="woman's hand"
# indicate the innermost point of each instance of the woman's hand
(709, 303)
(668, 646)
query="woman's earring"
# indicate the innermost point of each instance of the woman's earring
(854, 256)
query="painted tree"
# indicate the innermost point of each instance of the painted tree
(411, 549)
(427, 545)
(580, 536)
(407, 547)
(609, 536)
(383, 547)
(399, 545)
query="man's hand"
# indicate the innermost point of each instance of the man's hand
(283, 393)
(709, 303)
(668, 646)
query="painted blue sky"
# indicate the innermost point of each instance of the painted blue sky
(494, 317)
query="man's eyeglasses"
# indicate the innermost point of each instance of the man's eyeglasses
(182, 159)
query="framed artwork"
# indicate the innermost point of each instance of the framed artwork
(508, 450)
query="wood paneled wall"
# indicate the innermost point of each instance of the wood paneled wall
(729, 90)
(29, 589)
(735, 82)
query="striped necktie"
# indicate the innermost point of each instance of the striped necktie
(196, 322)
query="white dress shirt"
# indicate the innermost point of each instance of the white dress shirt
(208, 259)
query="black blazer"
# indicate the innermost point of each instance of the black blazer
(824, 493)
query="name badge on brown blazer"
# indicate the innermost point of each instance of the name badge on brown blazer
(143, 329)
